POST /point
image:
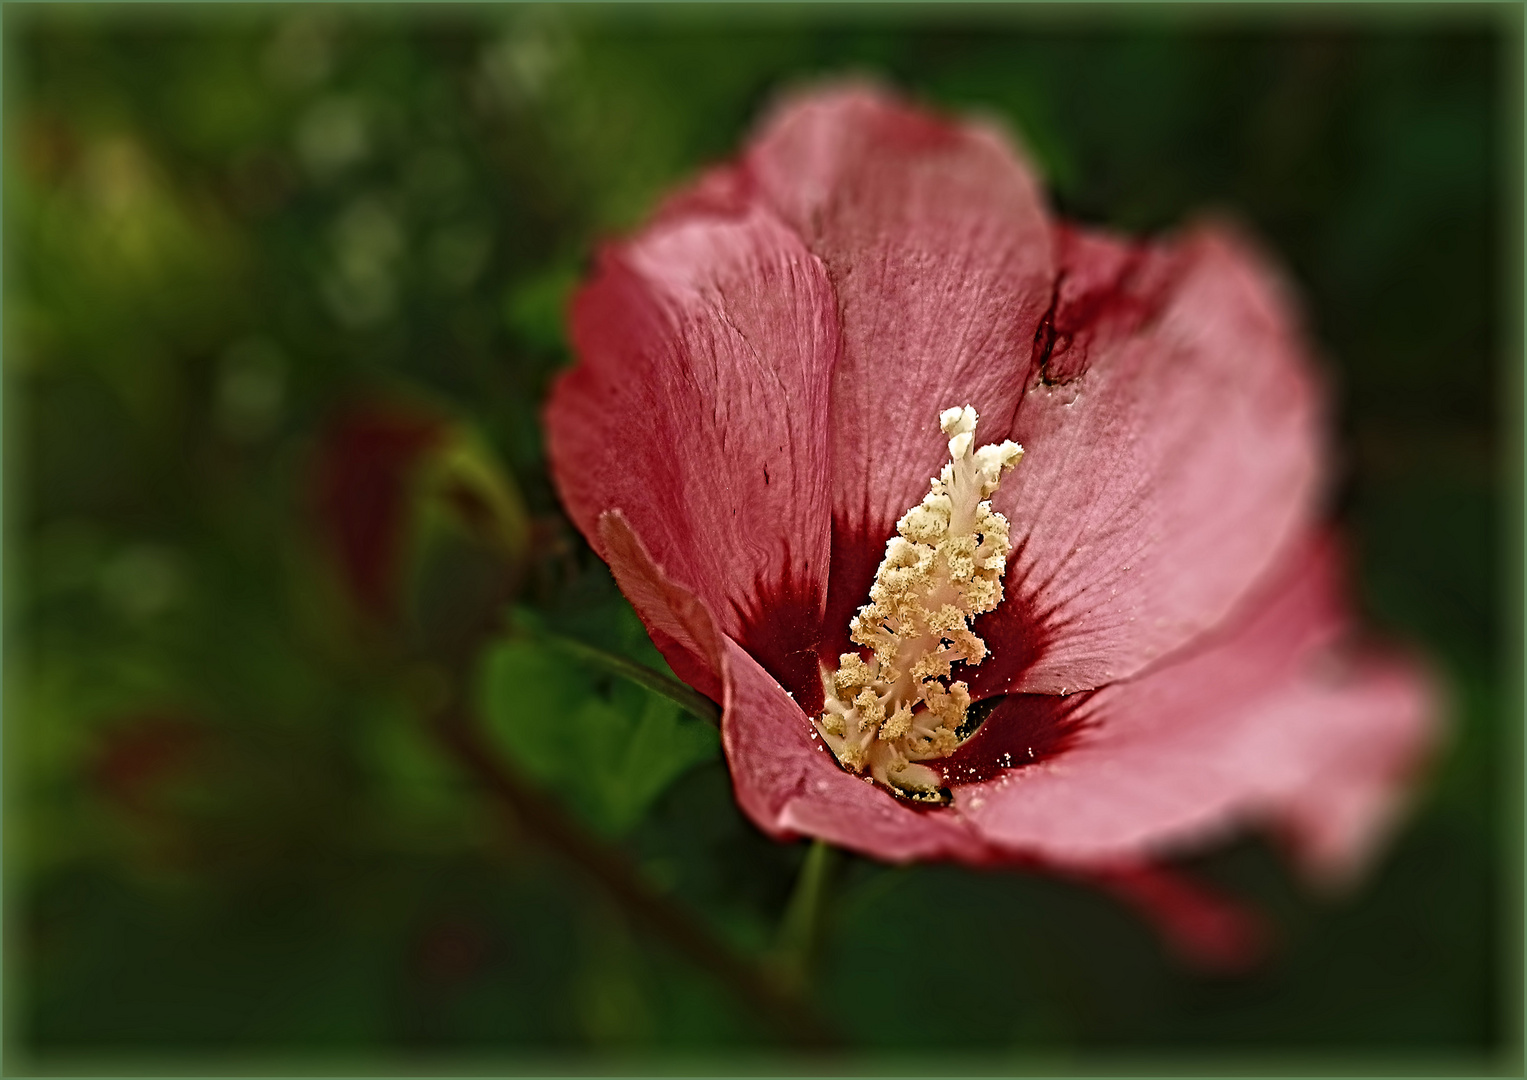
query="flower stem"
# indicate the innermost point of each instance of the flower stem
(758, 987)
(801, 929)
(455, 726)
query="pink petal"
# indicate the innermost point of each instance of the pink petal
(936, 242)
(790, 785)
(699, 410)
(1173, 440)
(1351, 803)
(1263, 722)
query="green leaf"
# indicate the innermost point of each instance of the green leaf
(690, 700)
(608, 749)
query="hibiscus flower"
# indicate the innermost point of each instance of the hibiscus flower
(1111, 625)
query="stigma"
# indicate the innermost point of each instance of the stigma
(887, 712)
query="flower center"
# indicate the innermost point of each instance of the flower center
(885, 714)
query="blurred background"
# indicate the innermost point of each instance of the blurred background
(283, 294)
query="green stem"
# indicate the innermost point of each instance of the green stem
(763, 994)
(801, 928)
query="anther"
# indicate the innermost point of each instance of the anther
(896, 708)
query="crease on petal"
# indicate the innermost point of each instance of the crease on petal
(699, 407)
(1173, 434)
(1262, 721)
(935, 237)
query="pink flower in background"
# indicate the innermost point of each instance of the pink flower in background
(1128, 640)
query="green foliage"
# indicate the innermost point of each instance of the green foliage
(609, 753)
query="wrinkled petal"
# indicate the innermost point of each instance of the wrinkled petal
(790, 785)
(1173, 443)
(699, 410)
(1261, 723)
(935, 239)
